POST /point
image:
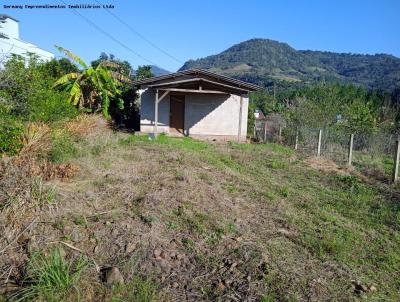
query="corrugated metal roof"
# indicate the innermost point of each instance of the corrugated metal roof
(198, 73)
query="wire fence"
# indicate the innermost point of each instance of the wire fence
(372, 154)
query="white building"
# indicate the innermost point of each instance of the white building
(10, 42)
(259, 115)
(195, 103)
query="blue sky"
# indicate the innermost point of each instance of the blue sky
(192, 29)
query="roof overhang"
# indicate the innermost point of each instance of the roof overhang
(198, 80)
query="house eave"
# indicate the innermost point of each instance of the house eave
(198, 74)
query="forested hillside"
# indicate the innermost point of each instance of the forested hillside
(266, 62)
(157, 71)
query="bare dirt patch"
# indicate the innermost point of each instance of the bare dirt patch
(328, 166)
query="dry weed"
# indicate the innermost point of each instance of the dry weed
(327, 165)
(82, 124)
(44, 169)
(36, 139)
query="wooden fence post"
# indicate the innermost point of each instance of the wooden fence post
(265, 132)
(350, 157)
(280, 134)
(296, 140)
(396, 161)
(319, 142)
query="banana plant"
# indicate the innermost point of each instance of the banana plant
(91, 88)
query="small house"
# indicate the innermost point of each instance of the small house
(258, 114)
(195, 103)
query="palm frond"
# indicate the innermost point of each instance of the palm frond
(72, 56)
(75, 93)
(120, 77)
(111, 64)
(105, 105)
(65, 79)
(114, 74)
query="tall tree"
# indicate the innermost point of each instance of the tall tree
(122, 67)
(58, 67)
(143, 72)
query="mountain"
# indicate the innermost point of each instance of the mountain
(268, 62)
(157, 71)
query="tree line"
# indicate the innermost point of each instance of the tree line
(348, 108)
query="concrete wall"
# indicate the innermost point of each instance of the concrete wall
(147, 100)
(214, 115)
(208, 116)
(10, 28)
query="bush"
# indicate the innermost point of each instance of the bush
(51, 106)
(27, 91)
(63, 147)
(10, 134)
(251, 120)
(27, 95)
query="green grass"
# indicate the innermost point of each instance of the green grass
(268, 298)
(341, 226)
(201, 226)
(63, 147)
(339, 218)
(276, 148)
(348, 221)
(133, 138)
(80, 220)
(50, 277)
(380, 163)
(207, 151)
(41, 193)
(231, 188)
(185, 143)
(137, 290)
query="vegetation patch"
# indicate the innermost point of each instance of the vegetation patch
(50, 277)
(193, 220)
(138, 289)
(63, 147)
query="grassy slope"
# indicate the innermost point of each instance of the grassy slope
(231, 222)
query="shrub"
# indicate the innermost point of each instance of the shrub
(251, 120)
(63, 147)
(50, 106)
(10, 134)
(28, 94)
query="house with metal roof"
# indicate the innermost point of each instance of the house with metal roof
(195, 103)
(258, 114)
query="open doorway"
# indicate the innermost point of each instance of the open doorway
(177, 114)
